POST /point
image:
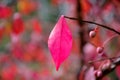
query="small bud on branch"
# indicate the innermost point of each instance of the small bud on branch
(99, 49)
(92, 34)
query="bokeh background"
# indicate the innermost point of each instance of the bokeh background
(25, 26)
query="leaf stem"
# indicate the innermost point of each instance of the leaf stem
(85, 21)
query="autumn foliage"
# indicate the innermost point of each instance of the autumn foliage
(59, 40)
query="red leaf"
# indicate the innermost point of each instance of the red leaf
(118, 71)
(5, 12)
(60, 42)
(1, 32)
(18, 24)
(36, 26)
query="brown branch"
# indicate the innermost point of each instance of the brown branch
(104, 26)
(82, 34)
(112, 67)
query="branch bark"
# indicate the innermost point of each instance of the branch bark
(82, 34)
(112, 67)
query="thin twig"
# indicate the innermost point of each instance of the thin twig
(90, 62)
(105, 42)
(104, 26)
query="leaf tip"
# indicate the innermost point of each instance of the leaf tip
(62, 16)
(57, 66)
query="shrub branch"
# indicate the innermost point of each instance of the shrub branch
(85, 21)
(115, 61)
